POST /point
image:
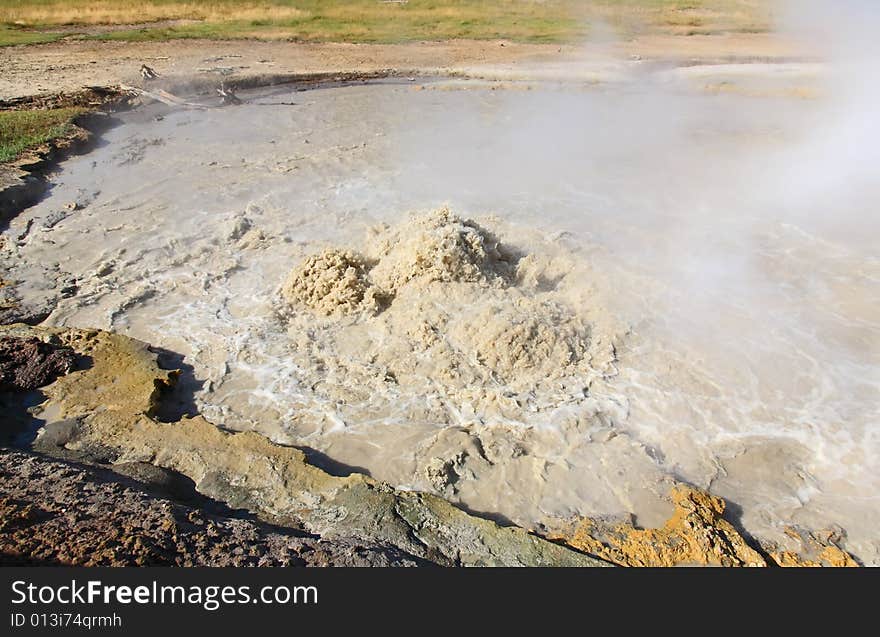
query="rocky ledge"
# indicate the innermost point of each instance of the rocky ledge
(103, 413)
(55, 513)
(189, 483)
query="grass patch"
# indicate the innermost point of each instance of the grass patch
(10, 36)
(22, 130)
(371, 20)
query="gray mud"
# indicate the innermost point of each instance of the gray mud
(745, 338)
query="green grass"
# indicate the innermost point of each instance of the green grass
(10, 36)
(22, 130)
(367, 30)
(24, 21)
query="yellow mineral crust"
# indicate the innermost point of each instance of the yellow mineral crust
(817, 549)
(695, 535)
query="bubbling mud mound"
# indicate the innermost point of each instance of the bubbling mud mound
(439, 247)
(332, 283)
(528, 336)
(447, 315)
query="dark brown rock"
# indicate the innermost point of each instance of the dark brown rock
(29, 363)
(56, 513)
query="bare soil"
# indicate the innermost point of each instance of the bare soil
(68, 66)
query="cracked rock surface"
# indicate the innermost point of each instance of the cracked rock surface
(92, 424)
(55, 513)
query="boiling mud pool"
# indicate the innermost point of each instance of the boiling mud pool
(692, 310)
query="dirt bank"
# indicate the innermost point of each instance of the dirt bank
(66, 66)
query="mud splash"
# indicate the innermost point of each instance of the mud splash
(436, 331)
(439, 247)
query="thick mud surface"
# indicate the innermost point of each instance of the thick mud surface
(612, 314)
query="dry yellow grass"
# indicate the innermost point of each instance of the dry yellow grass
(95, 12)
(702, 16)
(377, 21)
